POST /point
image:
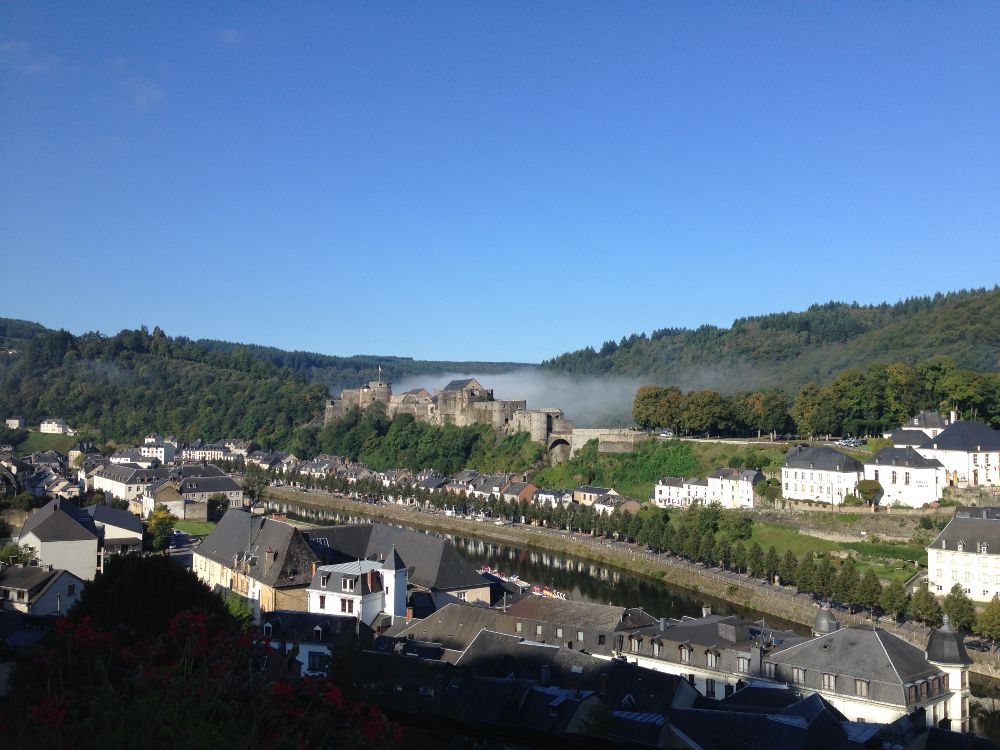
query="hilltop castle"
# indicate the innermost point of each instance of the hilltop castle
(466, 402)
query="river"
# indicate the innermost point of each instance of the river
(587, 581)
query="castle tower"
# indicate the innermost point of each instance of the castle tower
(394, 585)
(946, 650)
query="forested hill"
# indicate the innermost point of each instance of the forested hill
(789, 349)
(124, 386)
(336, 373)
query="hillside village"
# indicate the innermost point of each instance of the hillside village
(395, 593)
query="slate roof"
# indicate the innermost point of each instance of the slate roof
(432, 562)
(196, 470)
(569, 613)
(59, 521)
(24, 577)
(904, 457)
(821, 458)
(966, 437)
(458, 385)
(294, 626)
(209, 484)
(128, 474)
(357, 571)
(121, 519)
(946, 646)
(671, 482)
(454, 626)
(927, 420)
(900, 437)
(973, 527)
(245, 538)
(860, 652)
(592, 490)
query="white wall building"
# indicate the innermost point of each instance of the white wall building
(969, 453)
(821, 473)
(38, 589)
(967, 552)
(55, 426)
(907, 478)
(732, 488)
(674, 492)
(363, 589)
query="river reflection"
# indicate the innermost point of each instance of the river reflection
(579, 579)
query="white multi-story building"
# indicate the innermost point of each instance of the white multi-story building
(821, 473)
(674, 492)
(969, 453)
(967, 552)
(907, 478)
(732, 488)
(55, 426)
(363, 589)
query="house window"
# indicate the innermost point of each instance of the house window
(558, 632)
(600, 640)
(685, 654)
(982, 548)
(709, 688)
(656, 649)
(911, 694)
(923, 690)
(633, 644)
(711, 659)
(876, 475)
(769, 669)
(829, 681)
(71, 589)
(317, 661)
(518, 627)
(538, 629)
(798, 675)
(324, 580)
(461, 595)
(861, 688)
(347, 606)
(347, 584)
(906, 478)
(322, 601)
(579, 635)
(893, 477)
(743, 664)
(961, 546)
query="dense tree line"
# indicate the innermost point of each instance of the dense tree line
(124, 386)
(381, 443)
(857, 402)
(337, 373)
(787, 350)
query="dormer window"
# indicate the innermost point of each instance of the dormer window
(267, 630)
(318, 633)
(961, 547)
(347, 584)
(983, 548)
(324, 580)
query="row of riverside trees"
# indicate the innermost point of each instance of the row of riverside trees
(713, 536)
(857, 402)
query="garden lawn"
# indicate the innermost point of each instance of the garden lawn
(785, 537)
(195, 528)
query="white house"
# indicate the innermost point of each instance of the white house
(967, 551)
(38, 589)
(732, 488)
(14, 423)
(161, 450)
(931, 423)
(363, 589)
(55, 426)
(680, 493)
(907, 478)
(969, 453)
(64, 537)
(311, 638)
(819, 473)
(553, 498)
(125, 481)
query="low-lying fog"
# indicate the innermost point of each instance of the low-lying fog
(587, 401)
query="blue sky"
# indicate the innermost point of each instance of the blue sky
(490, 181)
